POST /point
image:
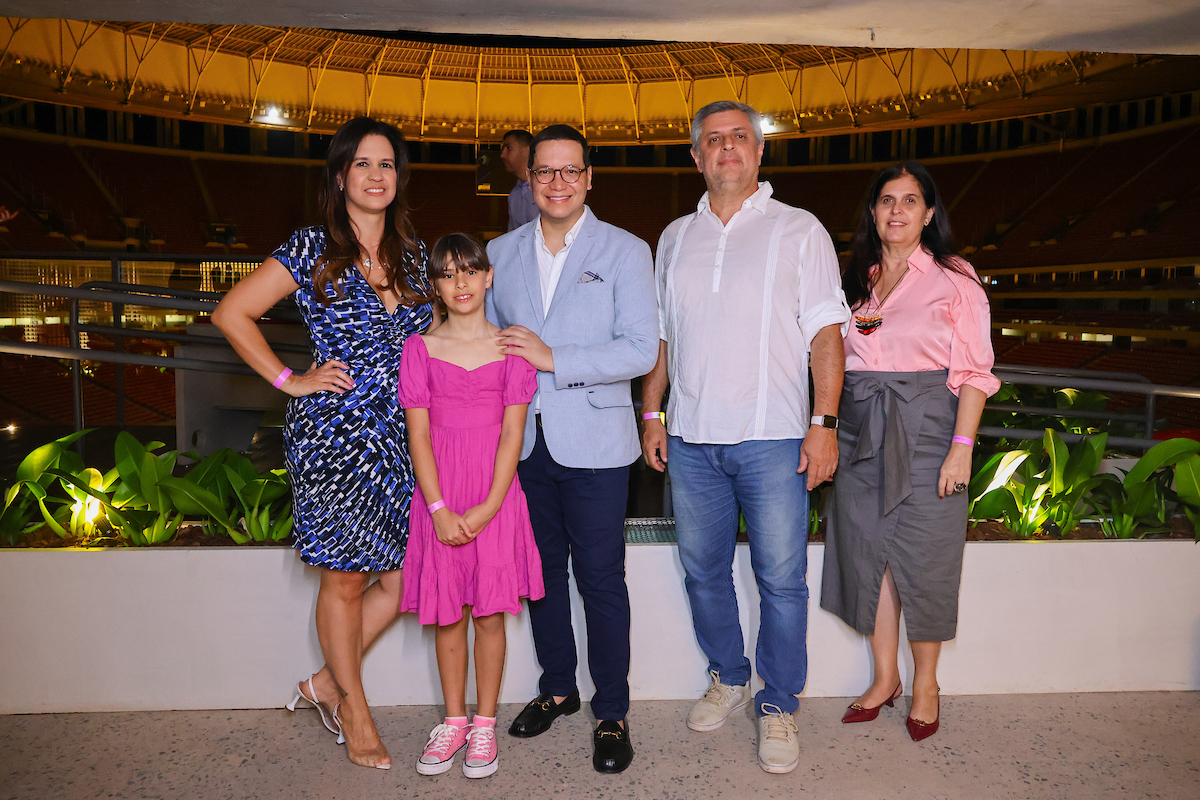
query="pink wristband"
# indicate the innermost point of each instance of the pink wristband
(658, 415)
(283, 376)
(967, 440)
(436, 506)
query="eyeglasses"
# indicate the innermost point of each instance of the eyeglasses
(546, 175)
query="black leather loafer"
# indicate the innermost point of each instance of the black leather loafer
(611, 749)
(536, 717)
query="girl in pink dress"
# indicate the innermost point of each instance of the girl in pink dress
(471, 551)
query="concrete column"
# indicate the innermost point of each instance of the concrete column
(214, 137)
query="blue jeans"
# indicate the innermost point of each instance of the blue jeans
(709, 483)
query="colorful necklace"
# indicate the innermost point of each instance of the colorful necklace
(869, 324)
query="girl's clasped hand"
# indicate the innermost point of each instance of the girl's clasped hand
(458, 529)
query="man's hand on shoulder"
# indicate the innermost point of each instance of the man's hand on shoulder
(819, 455)
(518, 340)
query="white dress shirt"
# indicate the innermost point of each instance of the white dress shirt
(739, 305)
(550, 265)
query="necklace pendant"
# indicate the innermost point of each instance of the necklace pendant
(868, 325)
(368, 263)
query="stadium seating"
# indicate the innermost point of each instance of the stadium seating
(1113, 200)
(159, 189)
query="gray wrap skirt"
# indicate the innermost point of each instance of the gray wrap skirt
(894, 434)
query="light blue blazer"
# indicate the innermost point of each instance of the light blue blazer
(603, 328)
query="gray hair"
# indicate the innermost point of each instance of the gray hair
(718, 107)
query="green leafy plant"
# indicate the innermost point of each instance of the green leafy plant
(141, 499)
(25, 502)
(1187, 489)
(1072, 475)
(1139, 504)
(258, 506)
(1032, 490)
(816, 507)
(265, 504)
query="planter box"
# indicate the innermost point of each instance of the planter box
(211, 628)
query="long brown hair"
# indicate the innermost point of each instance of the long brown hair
(867, 248)
(400, 252)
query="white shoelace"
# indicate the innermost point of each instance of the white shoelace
(481, 744)
(779, 725)
(440, 739)
(719, 693)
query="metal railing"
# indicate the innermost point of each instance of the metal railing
(1059, 378)
(118, 295)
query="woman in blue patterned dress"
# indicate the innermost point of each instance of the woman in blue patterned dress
(360, 284)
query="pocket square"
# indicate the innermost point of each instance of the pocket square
(591, 277)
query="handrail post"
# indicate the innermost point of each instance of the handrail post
(1150, 415)
(118, 321)
(76, 376)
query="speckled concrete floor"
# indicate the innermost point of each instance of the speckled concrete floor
(1015, 746)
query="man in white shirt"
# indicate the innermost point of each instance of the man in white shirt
(514, 152)
(575, 297)
(747, 288)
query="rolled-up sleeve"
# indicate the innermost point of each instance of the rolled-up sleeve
(971, 354)
(822, 301)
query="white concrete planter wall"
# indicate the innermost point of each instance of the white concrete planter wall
(159, 629)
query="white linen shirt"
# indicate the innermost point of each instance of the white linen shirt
(739, 305)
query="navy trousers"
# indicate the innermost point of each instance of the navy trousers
(580, 514)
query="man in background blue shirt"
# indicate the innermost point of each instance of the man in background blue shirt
(514, 152)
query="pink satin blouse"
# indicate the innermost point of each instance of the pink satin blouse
(935, 319)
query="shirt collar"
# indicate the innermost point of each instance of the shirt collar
(921, 259)
(757, 201)
(569, 239)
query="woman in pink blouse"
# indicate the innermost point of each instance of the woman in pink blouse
(918, 371)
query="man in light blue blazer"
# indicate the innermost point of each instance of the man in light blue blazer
(575, 297)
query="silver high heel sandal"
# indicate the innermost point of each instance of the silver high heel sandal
(331, 721)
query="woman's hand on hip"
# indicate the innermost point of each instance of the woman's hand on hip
(329, 377)
(956, 469)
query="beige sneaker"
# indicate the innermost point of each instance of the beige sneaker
(778, 747)
(717, 704)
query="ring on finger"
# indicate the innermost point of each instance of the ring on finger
(959, 488)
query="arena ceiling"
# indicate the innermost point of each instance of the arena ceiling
(1152, 26)
(812, 68)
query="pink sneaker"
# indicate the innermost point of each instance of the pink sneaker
(445, 741)
(482, 756)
